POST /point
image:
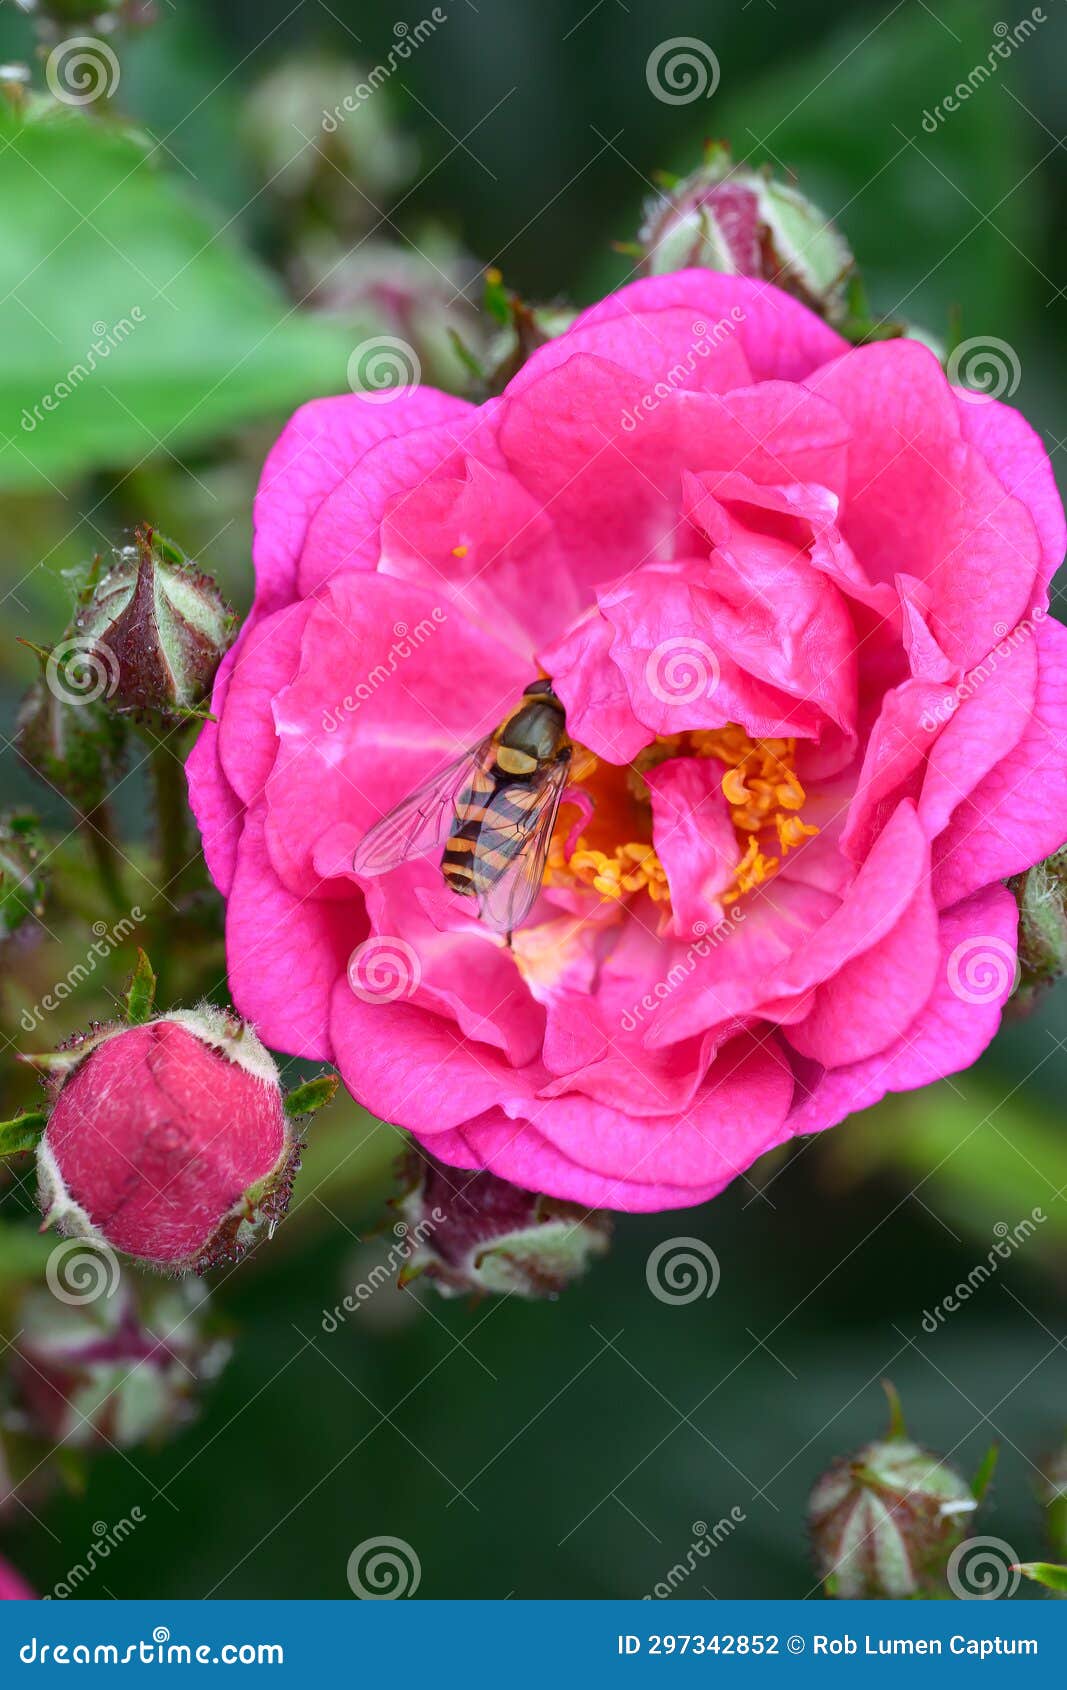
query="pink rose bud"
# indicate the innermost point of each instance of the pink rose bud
(474, 1232)
(12, 1587)
(885, 1520)
(167, 1141)
(116, 1368)
(154, 625)
(741, 221)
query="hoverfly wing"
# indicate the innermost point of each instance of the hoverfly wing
(506, 897)
(423, 819)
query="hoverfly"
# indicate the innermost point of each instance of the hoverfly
(493, 809)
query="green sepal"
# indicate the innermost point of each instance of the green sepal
(1043, 1572)
(897, 1428)
(471, 364)
(73, 1469)
(497, 297)
(312, 1096)
(140, 998)
(984, 1476)
(22, 1133)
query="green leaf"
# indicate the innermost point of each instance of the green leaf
(984, 1476)
(130, 321)
(311, 1096)
(22, 1133)
(140, 998)
(1044, 1572)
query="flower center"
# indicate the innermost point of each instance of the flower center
(759, 784)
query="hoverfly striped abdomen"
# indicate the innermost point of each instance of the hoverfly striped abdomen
(494, 811)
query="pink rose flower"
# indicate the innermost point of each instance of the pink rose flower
(792, 597)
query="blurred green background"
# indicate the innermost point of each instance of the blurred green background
(534, 1450)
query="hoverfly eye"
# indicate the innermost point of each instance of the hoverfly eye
(537, 688)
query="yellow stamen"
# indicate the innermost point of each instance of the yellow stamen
(760, 786)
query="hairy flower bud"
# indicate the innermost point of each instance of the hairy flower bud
(740, 220)
(1041, 894)
(155, 625)
(12, 1587)
(474, 1232)
(120, 1369)
(167, 1141)
(885, 1520)
(21, 881)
